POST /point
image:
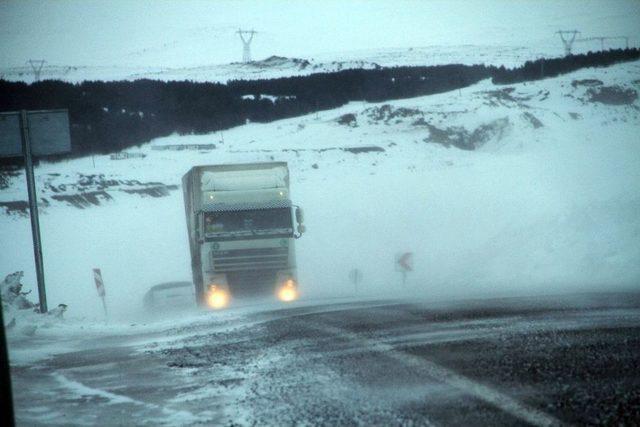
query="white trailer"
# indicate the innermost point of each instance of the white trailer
(241, 226)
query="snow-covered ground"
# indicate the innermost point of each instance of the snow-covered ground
(547, 203)
(197, 40)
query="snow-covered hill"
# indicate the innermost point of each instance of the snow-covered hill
(197, 40)
(278, 66)
(268, 68)
(498, 190)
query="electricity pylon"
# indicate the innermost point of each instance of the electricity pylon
(36, 66)
(568, 42)
(246, 44)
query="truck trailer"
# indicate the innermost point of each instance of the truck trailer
(242, 226)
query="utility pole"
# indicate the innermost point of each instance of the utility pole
(246, 37)
(36, 67)
(568, 42)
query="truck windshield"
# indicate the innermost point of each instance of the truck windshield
(255, 221)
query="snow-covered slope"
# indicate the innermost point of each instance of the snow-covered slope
(268, 68)
(546, 201)
(277, 66)
(197, 40)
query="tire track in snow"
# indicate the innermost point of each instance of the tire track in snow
(172, 417)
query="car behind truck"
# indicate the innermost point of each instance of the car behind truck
(242, 227)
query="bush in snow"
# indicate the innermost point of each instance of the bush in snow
(612, 95)
(18, 310)
(348, 120)
(12, 295)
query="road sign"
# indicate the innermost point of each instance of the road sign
(29, 133)
(404, 264)
(97, 277)
(48, 133)
(10, 137)
(404, 261)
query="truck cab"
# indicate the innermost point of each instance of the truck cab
(242, 227)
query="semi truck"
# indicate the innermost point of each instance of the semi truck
(242, 227)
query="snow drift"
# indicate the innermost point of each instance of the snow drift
(546, 200)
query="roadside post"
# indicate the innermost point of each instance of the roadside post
(25, 134)
(97, 277)
(404, 264)
(355, 276)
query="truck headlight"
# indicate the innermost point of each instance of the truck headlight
(218, 296)
(288, 291)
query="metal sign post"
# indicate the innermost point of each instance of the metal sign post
(355, 276)
(33, 210)
(29, 133)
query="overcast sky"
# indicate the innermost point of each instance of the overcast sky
(188, 33)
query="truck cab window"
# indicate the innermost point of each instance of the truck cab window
(275, 220)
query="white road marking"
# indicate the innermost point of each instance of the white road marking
(480, 391)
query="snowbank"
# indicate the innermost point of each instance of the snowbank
(21, 316)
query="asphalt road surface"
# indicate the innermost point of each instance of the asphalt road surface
(537, 361)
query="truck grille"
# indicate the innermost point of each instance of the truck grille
(242, 260)
(251, 272)
(252, 283)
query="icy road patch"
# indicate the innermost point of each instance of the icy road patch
(377, 362)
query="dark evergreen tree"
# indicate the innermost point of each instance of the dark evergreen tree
(110, 116)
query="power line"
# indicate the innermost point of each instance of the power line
(603, 38)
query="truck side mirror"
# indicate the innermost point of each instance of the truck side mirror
(299, 215)
(299, 220)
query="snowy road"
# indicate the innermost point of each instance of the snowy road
(542, 361)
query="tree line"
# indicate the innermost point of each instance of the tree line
(552, 67)
(107, 117)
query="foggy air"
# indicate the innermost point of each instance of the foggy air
(319, 213)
